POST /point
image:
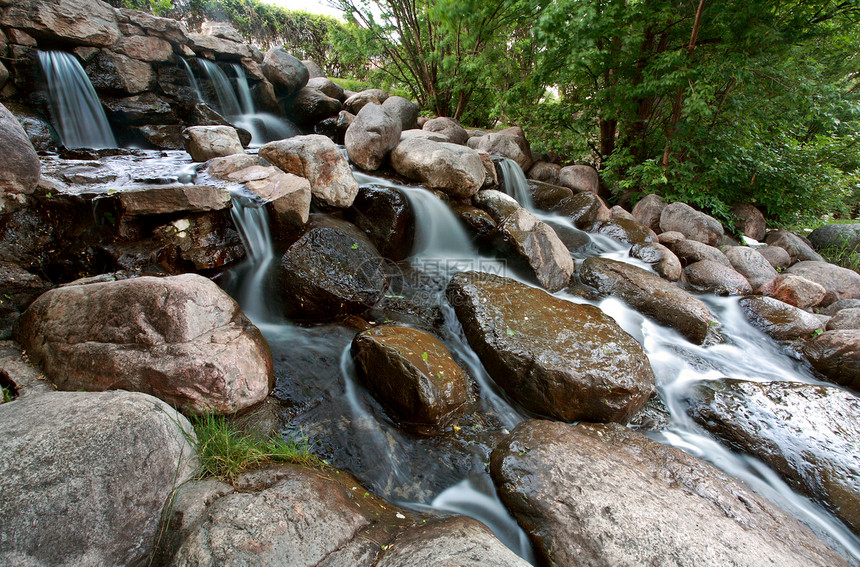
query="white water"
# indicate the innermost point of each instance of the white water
(78, 115)
(192, 80)
(515, 182)
(228, 104)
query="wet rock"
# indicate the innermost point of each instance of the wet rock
(424, 134)
(556, 358)
(662, 260)
(163, 136)
(749, 221)
(807, 433)
(19, 165)
(477, 220)
(145, 48)
(510, 143)
(64, 481)
(841, 240)
(404, 109)
(545, 172)
(222, 167)
(692, 251)
(776, 255)
(621, 213)
(456, 170)
(838, 283)
(584, 209)
(412, 374)
(708, 276)
(625, 230)
(780, 320)
(605, 495)
(109, 71)
(579, 178)
(798, 249)
(207, 142)
(836, 354)
(314, 70)
(385, 216)
(448, 127)
(357, 101)
(497, 204)
(538, 244)
(320, 161)
(794, 290)
(37, 127)
(286, 73)
(648, 210)
(845, 319)
(327, 87)
(750, 264)
(178, 198)
(834, 308)
(150, 335)
(371, 137)
(649, 294)
(80, 21)
(310, 105)
(332, 270)
(546, 196)
(287, 196)
(693, 224)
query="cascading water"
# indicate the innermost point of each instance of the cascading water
(228, 104)
(192, 80)
(243, 89)
(252, 222)
(78, 115)
(515, 182)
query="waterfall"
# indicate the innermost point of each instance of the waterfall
(228, 104)
(192, 80)
(243, 89)
(515, 182)
(78, 115)
(252, 223)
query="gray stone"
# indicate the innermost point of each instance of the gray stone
(448, 127)
(456, 170)
(838, 283)
(692, 251)
(218, 47)
(624, 230)
(708, 276)
(798, 248)
(750, 264)
(356, 102)
(287, 196)
(115, 72)
(836, 354)
(780, 320)
(845, 319)
(327, 87)
(19, 165)
(372, 136)
(776, 255)
(834, 308)
(310, 105)
(545, 171)
(510, 143)
(662, 260)
(691, 223)
(648, 210)
(538, 244)
(314, 70)
(80, 21)
(404, 109)
(749, 221)
(178, 198)
(207, 142)
(584, 209)
(618, 212)
(579, 178)
(286, 73)
(145, 48)
(499, 205)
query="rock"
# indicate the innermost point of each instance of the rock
(456, 170)
(707, 276)
(780, 320)
(621, 213)
(605, 495)
(491, 176)
(180, 339)
(776, 255)
(546, 197)
(311, 105)
(286, 73)
(371, 137)
(327, 87)
(667, 304)
(332, 270)
(404, 109)
(834, 308)
(749, 221)
(412, 374)
(499, 205)
(840, 239)
(320, 161)
(845, 319)
(19, 165)
(807, 433)
(625, 230)
(648, 210)
(692, 251)
(145, 48)
(81, 21)
(545, 172)
(287, 196)
(222, 30)
(223, 167)
(433, 136)
(510, 143)
(662, 260)
(477, 220)
(385, 216)
(162, 136)
(216, 47)
(693, 224)
(750, 264)
(178, 198)
(538, 244)
(37, 127)
(836, 354)
(839, 283)
(356, 102)
(18, 289)
(111, 71)
(165, 28)
(314, 70)
(448, 127)
(584, 209)
(556, 358)
(794, 290)
(797, 248)
(671, 238)
(579, 178)
(207, 142)
(89, 472)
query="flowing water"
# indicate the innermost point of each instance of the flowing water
(192, 80)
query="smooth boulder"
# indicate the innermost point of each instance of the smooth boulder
(456, 170)
(403, 109)
(538, 244)
(207, 142)
(798, 248)
(836, 354)
(749, 221)
(448, 127)
(838, 283)
(794, 290)
(19, 164)
(708, 276)
(752, 265)
(579, 178)
(284, 71)
(357, 101)
(780, 320)
(372, 136)
(386, 217)
(648, 210)
(662, 260)
(510, 143)
(693, 224)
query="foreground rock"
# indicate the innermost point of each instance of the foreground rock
(181, 339)
(372, 136)
(838, 283)
(556, 358)
(780, 320)
(662, 260)
(807, 433)
(794, 290)
(649, 294)
(456, 170)
(836, 354)
(751, 265)
(90, 473)
(207, 142)
(537, 243)
(604, 495)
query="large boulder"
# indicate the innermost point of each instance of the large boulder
(82, 22)
(625, 230)
(497, 204)
(18, 289)
(456, 170)
(310, 105)
(327, 87)
(556, 358)
(90, 473)
(404, 109)
(648, 210)
(112, 71)
(579, 179)
(320, 161)
(780, 320)
(778, 257)
(448, 127)
(605, 495)
(807, 433)
(357, 101)
(174, 198)
(651, 295)
(545, 172)
(750, 264)
(207, 142)
(798, 248)
(287, 196)
(372, 136)
(19, 165)
(845, 319)
(510, 143)
(692, 251)
(145, 48)
(584, 209)
(286, 73)
(412, 374)
(693, 224)
(385, 216)
(839, 239)
(662, 260)
(181, 339)
(538, 244)
(794, 290)
(749, 221)
(836, 354)
(708, 276)
(838, 283)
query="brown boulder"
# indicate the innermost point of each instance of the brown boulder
(19, 165)
(538, 244)
(662, 260)
(372, 136)
(648, 210)
(798, 248)
(749, 221)
(750, 264)
(579, 178)
(691, 223)
(838, 283)
(836, 354)
(780, 320)
(794, 290)
(708, 276)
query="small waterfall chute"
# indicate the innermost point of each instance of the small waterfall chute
(516, 184)
(192, 80)
(228, 104)
(243, 89)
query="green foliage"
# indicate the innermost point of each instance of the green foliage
(226, 452)
(7, 395)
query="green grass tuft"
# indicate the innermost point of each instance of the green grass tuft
(7, 395)
(225, 452)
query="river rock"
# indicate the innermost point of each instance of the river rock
(556, 358)
(357, 101)
(385, 216)
(579, 178)
(138, 109)
(662, 260)
(546, 196)
(372, 136)
(707, 276)
(648, 210)
(624, 230)
(18, 289)
(750, 264)
(448, 127)
(651, 295)
(214, 46)
(538, 244)
(310, 105)
(692, 251)
(114, 72)
(749, 221)
(619, 212)
(836, 354)
(332, 270)
(286, 73)
(19, 165)
(841, 239)
(207, 142)
(414, 133)
(497, 204)
(798, 248)
(693, 224)
(545, 172)
(604, 495)
(834, 308)
(584, 209)
(838, 283)
(80, 21)
(178, 198)
(287, 196)
(807, 433)
(181, 339)
(794, 290)
(776, 255)
(314, 70)
(412, 374)
(456, 170)
(404, 109)
(90, 473)
(510, 143)
(320, 161)
(780, 320)
(845, 319)
(327, 87)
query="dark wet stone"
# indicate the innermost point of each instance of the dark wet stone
(386, 218)
(836, 354)
(780, 320)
